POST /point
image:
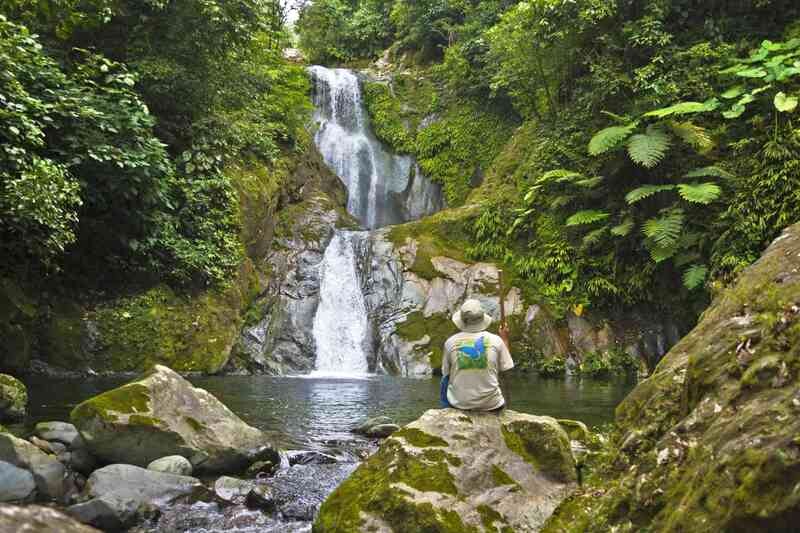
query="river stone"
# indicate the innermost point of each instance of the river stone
(364, 427)
(132, 492)
(59, 432)
(260, 497)
(16, 484)
(162, 414)
(172, 464)
(13, 398)
(381, 431)
(452, 471)
(47, 471)
(231, 489)
(79, 460)
(308, 457)
(38, 519)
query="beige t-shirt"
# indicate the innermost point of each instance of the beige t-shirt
(474, 362)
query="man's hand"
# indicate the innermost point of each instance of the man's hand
(505, 333)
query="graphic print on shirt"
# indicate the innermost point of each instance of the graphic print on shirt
(472, 354)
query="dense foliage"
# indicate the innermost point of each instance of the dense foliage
(642, 151)
(119, 121)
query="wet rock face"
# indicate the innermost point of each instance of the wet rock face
(162, 414)
(709, 441)
(453, 471)
(35, 518)
(13, 398)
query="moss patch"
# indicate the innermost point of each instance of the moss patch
(489, 517)
(501, 477)
(438, 327)
(418, 438)
(532, 442)
(132, 398)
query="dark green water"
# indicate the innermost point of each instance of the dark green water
(318, 413)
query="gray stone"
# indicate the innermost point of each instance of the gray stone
(47, 471)
(260, 497)
(98, 513)
(79, 460)
(172, 464)
(262, 469)
(13, 398)
(60, 432)
(132, 492)
(381, 431)
(231, 489)
(310, 457)
(16, 484)
(369, 423)
(38, 519)
(162, 414)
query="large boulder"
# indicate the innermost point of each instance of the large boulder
(13, 398)
(709, 442)
(46, 470)
(452, 471)
(120, 495)
(162, 414)
(38, 519)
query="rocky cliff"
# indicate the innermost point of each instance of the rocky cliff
(710, 441)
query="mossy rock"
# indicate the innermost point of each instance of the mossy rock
(13, 398)
(709, 441)
(430, 477)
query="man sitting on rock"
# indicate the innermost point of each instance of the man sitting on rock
(473, 362)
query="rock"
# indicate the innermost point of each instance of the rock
(47, 471)
(709, 441)
(79, 460)
(162, 414)
(38, 519)
(260, 497)
(231, 489)
(261, 469)
(370, 423)
(310, 458)
(13, 398)
(576, 430)
(456, 471)
(42, 445)
(172, 464)
(16, 484)
(59, 432)
(99, 513)
(381, 431)
(130, 493)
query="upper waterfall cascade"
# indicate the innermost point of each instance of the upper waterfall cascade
(383, 188)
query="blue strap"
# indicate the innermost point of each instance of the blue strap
(443, 391)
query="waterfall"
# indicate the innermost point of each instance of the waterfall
(383, 188)
(340, 325)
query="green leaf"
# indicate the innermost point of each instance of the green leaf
(746, 99)
(590, 183)
(645, 191)
(752, 73)
(609, 138)
(733, 69)
(558, 175)
(785, 104)
(594, 236)
(695, 276)
(709, 172)
(761, 89)
(684, 108)
(665, 230)
(693, 135)
(734, 112)
(699, 193)
(589, 216)
(733, 92)
(648, 149)
(623, 229)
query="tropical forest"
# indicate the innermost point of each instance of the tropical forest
(395, 266)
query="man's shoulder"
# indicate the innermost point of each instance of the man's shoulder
(492, 338)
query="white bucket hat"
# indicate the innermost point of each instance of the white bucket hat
(471, 318)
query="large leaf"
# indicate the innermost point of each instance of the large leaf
(665, 230)
(734, 112)
(588, 216)
(609, 138)
(684, 108)
(648, 149)
(699, 193)
(785, 104)
(623, 229)
(645, 191)
(693, 135)
(590, 183)
(695, 276)
(709, 172)
(752, 73)
(594, 236)
(734, 92)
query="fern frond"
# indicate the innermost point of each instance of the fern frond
(684, 108)
(559, 174)
(709, 172)
(588, 216)
(618, 118)
(660, 254)
(693, 135)
(594, 236)
(665, 231)
(609, 138)
(648, 149)
(645, 191)
(560, 201)
(590, 183)
(623, 229)
(695, 276)
(699, 193)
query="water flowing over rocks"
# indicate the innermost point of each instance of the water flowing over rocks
(709, 441)
(38, 519)
(454, 471)
(162, 414)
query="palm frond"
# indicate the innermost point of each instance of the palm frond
(648, 149)
(588, 216)
(645, 191)
(695, 276)
(609, 138)
(623, 229)
(693, 135)
(590, 183)
(559, 175)
(594, 236)
(665, 231)
(709, 172)
(699, 193)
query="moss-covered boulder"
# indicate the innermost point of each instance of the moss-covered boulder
(162, 414)
(709, 442)
(13, 398)
(457, 472)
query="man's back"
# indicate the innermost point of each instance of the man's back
(474, 360)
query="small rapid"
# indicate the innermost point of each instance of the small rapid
(340, 325)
